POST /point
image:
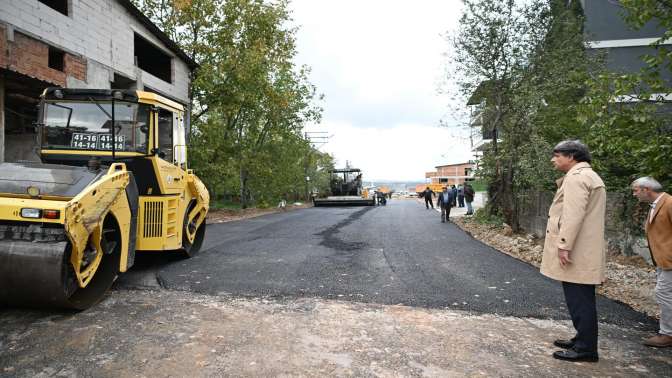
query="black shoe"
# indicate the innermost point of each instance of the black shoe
(574, 356)
(565, 344)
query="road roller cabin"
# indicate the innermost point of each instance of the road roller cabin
(113, 180)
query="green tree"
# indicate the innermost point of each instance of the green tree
(494, 44)
(249, 75)
(628, 113)
(651, 83)
(251, 101)
(186, 22)
(531, 66)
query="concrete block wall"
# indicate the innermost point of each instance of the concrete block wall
(533, 216)
(94, 30)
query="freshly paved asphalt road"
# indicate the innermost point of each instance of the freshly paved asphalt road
(396, 254)
(265, 308)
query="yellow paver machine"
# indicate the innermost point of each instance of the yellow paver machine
(113, 180)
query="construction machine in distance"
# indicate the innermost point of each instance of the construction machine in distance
(112, 181)
(435, 187)
(346, 189)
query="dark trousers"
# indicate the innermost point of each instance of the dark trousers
(460, 200)
(580, 300)
(429, 202)
(445, 213)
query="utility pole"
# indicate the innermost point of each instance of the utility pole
(314, 138)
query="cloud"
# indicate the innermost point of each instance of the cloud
(404, 152)
(379, 64)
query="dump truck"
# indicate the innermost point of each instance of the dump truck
(112, 181)
(435, 187)
(346, 189)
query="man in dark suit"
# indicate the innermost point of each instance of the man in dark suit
(658, 226)
(427, 194)
(445, 201)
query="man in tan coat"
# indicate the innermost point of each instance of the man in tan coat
(574, 247)
(658, 228)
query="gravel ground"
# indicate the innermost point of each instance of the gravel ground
(629, 278)
(179, 334)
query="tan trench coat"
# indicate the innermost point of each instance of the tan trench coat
(576, 223)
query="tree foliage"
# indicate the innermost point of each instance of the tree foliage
(544, 87)
(629, 112)
(250, 100)
(517, 55)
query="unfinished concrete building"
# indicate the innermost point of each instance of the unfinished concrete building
(78, 44)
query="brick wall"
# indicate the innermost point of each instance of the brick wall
(3, 47)
(100, 30)
(453, 170)
(75, 67)
(30, 57)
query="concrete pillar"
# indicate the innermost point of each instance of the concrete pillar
(2, 118)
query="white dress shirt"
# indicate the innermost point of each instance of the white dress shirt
(653, 207)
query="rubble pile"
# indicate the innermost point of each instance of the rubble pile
(629, 279)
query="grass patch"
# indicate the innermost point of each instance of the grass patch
(219, 204)
(483, 217)
(479, 185)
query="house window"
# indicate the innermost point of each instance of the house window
(151, 59)
(57, 5)
(56, 58)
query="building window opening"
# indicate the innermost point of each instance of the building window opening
(151, 59)
(60, 6)
(56, 59)
(122, 82)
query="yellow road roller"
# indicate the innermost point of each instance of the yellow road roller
(113, 180)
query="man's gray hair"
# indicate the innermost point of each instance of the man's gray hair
(648, 182)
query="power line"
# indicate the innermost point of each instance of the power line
(317, 137)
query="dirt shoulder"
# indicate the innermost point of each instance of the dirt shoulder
(630, 279)
(171, 333)
(229, 215)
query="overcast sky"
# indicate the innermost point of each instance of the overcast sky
(380, 64)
